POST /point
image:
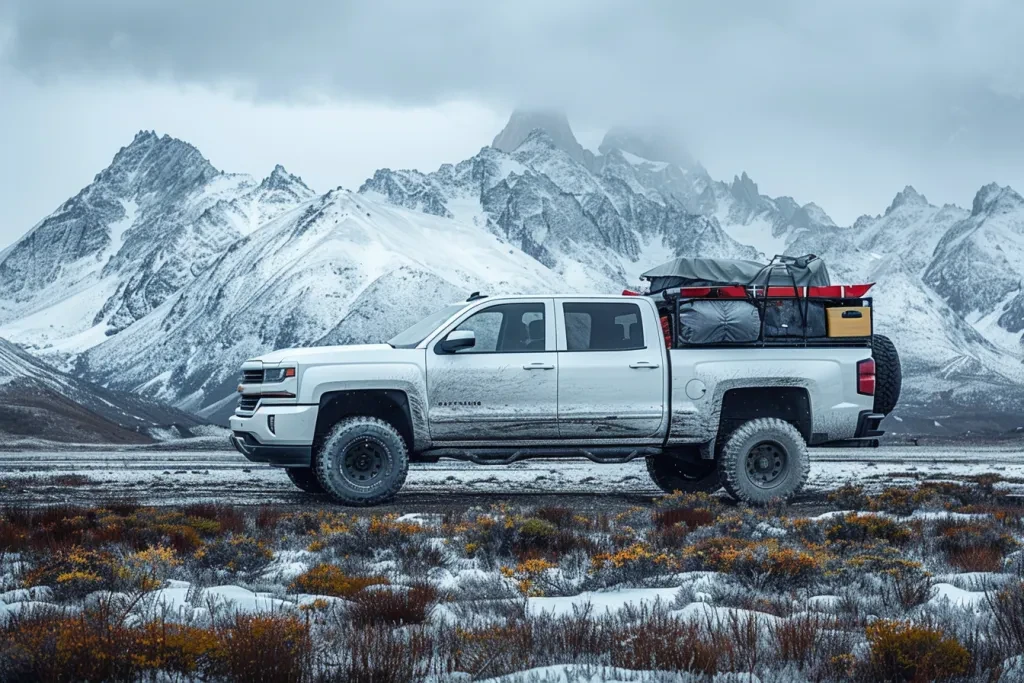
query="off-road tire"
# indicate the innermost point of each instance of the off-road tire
(888, 374)
(305, 479)
(683, 471)
(362, 447)
(770, 437)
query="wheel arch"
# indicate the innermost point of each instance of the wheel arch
(390, 405)
(791, 404)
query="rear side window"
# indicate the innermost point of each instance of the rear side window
(603, 326)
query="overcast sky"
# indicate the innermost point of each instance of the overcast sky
(841, 103)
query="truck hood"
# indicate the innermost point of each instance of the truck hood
(355, 353)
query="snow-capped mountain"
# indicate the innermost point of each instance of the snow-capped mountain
(165, 273)
(339, 268)
(146, 225)
(38, 400)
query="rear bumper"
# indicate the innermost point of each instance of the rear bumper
(866, 435)
(276, 455)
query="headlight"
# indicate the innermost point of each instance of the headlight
(271, 375)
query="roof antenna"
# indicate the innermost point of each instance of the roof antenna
(475, 296)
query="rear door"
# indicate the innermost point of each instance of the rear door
(506, 386)
(611, 381)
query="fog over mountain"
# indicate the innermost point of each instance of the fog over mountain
(165, 272)
(831, 102)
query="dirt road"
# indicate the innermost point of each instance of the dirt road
(176, 477)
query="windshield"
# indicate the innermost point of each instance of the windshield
(418, 332)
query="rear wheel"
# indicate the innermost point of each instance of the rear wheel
(764, 460)
(305, 479)
(683, 470)
(888, 374)
(363, 461)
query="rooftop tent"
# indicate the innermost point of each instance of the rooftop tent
(803, 271)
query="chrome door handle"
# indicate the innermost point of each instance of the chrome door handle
(643, 365)
(538, 366)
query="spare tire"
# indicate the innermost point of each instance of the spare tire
(888, 374)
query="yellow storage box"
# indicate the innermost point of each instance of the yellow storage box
(848, 321)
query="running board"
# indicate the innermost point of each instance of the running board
(604, 455)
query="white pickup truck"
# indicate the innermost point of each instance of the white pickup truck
(493, 380)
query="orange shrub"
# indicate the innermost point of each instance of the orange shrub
(904, 651)
(328, 579)
(855, 528)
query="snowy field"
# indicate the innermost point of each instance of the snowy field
(901, 564)
(180, 477)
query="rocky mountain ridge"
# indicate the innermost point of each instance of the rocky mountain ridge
(165, 273)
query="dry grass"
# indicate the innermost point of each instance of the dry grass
(392, 627)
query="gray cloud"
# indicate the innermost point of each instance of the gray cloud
(921, 91)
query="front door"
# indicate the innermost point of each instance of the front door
(611, 383)
(504, 388)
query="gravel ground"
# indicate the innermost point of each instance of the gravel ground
(172, 477)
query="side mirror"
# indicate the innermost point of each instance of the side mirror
(457, 339)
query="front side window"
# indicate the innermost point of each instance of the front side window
(603, 326)
(507, 328)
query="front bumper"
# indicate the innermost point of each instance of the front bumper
(276, 456)
(289, 444)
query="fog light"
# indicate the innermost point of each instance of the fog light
(270, 424)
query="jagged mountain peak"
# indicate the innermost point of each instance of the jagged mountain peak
(994, 198)
(281, 179)
(523, 122)
(152, 162)
(744, 189)
(907, 197)
(817, 214)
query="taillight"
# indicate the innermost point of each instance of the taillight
(866, 377)
(666, 330)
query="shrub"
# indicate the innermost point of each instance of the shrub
(268, 518)
(561, 517)
(849, 497)
(855, 528)
(228, 518)
(1008, 613)
(636, 564)
(329, 579)
(903, 651)
(77, 572)
(243, 554)
(97, 645)
(908, 586)
(399, 606)
(899, 500)
(974, 545)
(661, 642)
(173, 648)
(690, 510)
(530, 576)
(797, 640)
(379, 654)
(756, 563)
(266, 647)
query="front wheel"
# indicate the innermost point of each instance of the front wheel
(764, 460)
(362, 462)
(683, 471)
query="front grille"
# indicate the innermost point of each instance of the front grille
(247, 404)
(252, 376)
